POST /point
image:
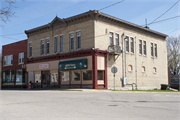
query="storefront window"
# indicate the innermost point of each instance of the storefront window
(54, 77)
(100, 75)
(65, 76)
(87, 75)
(20, 77)
(8, 77)
(75, 75)
(38, 78)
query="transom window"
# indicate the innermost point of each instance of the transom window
(21, 58)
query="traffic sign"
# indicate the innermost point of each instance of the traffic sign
(114, 70)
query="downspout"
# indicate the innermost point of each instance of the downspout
(122, 54)
(136, 62)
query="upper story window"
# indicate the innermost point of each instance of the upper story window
(56, 45)
(8, 60)
(30, 50)
(78, 44)
(111, 38)
(127, 43)
(144, 47)
(72, 42)
(42, 47)
(21, 58)
(117, 39)
(152, 51)
(62, 43)
(132, 45)
(140, 47)
(155, 49)
(47, 47)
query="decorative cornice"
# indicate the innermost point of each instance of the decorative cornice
(93, 14)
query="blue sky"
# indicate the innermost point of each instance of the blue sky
(33, 13)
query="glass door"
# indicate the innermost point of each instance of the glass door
(46, 79)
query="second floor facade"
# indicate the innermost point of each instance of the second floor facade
(94, 29)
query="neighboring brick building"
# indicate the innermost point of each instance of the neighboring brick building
(80, 51)
(14, 58)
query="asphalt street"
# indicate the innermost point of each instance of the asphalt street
(88, 105)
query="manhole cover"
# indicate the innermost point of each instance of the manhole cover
(112, 105)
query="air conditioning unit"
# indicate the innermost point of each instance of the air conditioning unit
(114, 49)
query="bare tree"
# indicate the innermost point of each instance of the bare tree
(173, 51)
(7, 10)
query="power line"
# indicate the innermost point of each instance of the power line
(47, 14)
(142, 25)
(165, 19)
(163, 13)
(174, 30)
(111, 5)
(9, 38)
(11, 34)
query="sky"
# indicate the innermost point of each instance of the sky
(34, 13)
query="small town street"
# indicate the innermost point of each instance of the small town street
(88, 105)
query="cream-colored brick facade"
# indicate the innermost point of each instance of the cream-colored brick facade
(95, 34)
(145, 80)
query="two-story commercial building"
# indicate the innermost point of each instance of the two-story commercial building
(13, 65)
(80, 52)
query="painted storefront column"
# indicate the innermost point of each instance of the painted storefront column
(94, 66)
(105, 72)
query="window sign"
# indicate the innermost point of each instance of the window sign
(73, 65)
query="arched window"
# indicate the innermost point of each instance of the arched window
(143, 69)
(154, 70)
(130, 68)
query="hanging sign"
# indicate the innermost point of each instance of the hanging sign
(73, 65)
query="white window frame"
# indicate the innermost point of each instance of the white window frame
(117, 39)
(30, 52)
(126, 40)
(6, 60)
(155, 50)
(56, 44)
(47, 47)
(111, 41)
(152, 48)
(61, 43)
(78, 34)
(22, 58)
(140, 50)
(71, 42)
(42, 47)
(145, 48)
(132, 41)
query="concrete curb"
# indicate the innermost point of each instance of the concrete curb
(66, 89)
(144, 92)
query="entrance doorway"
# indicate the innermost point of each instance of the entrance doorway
(45, 79)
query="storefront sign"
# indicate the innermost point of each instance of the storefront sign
(73, 65)
(43, 66)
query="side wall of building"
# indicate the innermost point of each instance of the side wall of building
(86, 29)
(145, 80)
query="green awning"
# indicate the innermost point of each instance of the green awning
(73, 65)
